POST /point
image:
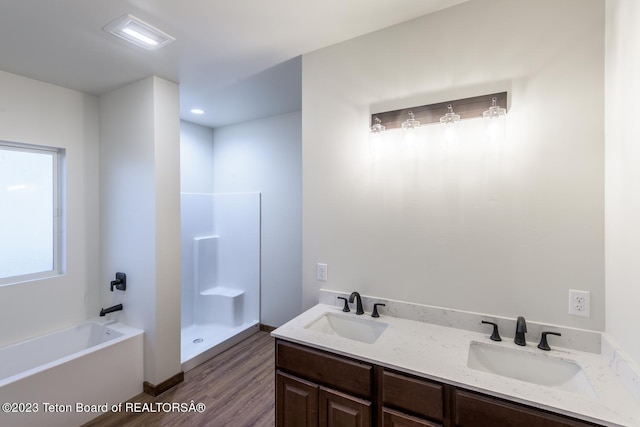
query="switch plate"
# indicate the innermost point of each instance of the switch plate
(321, 272)
(579, 303)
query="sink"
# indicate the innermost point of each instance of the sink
(349, 326)
(533, 368)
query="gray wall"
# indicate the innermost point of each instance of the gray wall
(622, 173)
(507, 229)
(264, 155)
(257, 156)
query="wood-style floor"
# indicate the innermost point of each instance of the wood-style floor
(236, 386)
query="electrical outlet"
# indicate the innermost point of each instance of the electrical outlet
(321, 272)
(579, 303)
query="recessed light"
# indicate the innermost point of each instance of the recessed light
(138, 32)
(197, 111)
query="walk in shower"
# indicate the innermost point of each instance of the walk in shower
(220, 272)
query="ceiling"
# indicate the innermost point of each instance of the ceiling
(225, 50)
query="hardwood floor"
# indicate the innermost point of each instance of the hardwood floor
(236, 386)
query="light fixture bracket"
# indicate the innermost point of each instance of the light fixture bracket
(466, 108)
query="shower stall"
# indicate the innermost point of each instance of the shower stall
(220, 272)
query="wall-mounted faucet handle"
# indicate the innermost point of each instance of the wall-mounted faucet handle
(120, 283)
(544, 345)
(346, 305)
(375, 309)
(495, 336)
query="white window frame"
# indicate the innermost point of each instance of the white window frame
(59, 235)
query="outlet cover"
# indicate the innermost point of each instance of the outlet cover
(321, 272)
(579, 303)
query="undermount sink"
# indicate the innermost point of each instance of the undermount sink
(533, 368)
(349, 326)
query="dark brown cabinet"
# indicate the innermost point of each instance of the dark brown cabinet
(414, 396)
(339, 409)
(391, 418)
(318, 388)
(477, 410)
(297, 402)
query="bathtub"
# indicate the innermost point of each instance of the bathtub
(68, 377)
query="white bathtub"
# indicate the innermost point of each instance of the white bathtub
(53, 380)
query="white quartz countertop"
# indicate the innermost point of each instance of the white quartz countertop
(440, 353)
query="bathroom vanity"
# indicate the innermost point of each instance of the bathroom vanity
(335, 368)
(318, 388)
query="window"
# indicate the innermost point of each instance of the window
(30, 212)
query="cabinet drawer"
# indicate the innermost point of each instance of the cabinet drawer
(474, 410)
(336, 372)
(417, 396)
(392, 418)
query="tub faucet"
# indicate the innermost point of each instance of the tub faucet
(521, 329)
(356, 295)
(116, 307)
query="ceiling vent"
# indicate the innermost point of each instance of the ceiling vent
(138, 32)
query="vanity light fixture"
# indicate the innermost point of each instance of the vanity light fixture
(450, 118)
(495, 110)
(136, 31)
(411, 122)
(377, 126)
(197, 111)
(442, 112)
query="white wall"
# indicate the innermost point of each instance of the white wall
(622, 155)
(140, 210)
(196, 176)
(196, 158)
(265, 156)
(506, 231)
(34, 112)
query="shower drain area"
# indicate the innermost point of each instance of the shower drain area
(198, 340)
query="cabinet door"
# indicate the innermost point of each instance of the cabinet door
(392, 418)
(341, 410)
(474, 410)
(296, 402)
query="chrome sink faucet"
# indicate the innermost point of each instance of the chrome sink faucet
(521, 329)
(358, 299)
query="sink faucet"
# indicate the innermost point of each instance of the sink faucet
(356, 295)
(521, 329)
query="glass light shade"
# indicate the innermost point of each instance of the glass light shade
(411, 122)
(377, 126)
(450, 118)
(494, 111)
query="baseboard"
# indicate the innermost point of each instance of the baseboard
(155, 390)
(267, 328)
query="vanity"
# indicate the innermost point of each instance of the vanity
(341, 369)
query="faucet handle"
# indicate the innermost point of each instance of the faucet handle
(375, 309)
(346, 308)
(495, 336)
(544, 345)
